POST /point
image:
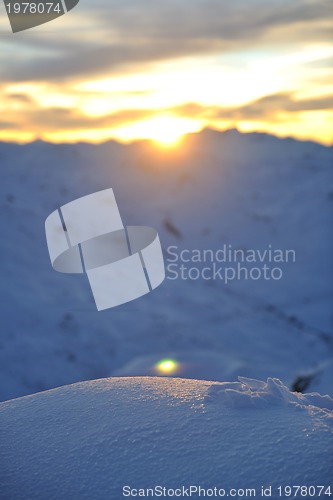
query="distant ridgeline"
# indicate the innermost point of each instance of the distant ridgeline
(24, 15)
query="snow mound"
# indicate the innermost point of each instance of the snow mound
(254, 393)
(89, 440)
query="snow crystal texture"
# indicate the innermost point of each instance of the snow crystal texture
(88, 440)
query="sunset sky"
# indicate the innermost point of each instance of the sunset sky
(130, 69)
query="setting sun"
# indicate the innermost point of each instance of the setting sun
(146, 77)
(167, 131)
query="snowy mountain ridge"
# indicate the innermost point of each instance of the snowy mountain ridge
(244, 190)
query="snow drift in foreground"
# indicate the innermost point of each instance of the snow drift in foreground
(89, 440)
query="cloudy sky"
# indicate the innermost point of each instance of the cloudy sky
(131, 69)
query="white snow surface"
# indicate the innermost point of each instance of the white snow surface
(247, 190)
(88, 440)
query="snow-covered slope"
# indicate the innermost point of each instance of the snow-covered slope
(89, 440)
(249, 191)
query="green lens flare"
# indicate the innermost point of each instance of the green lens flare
(167, 366)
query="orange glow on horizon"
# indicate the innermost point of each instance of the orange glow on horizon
(166, 131)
